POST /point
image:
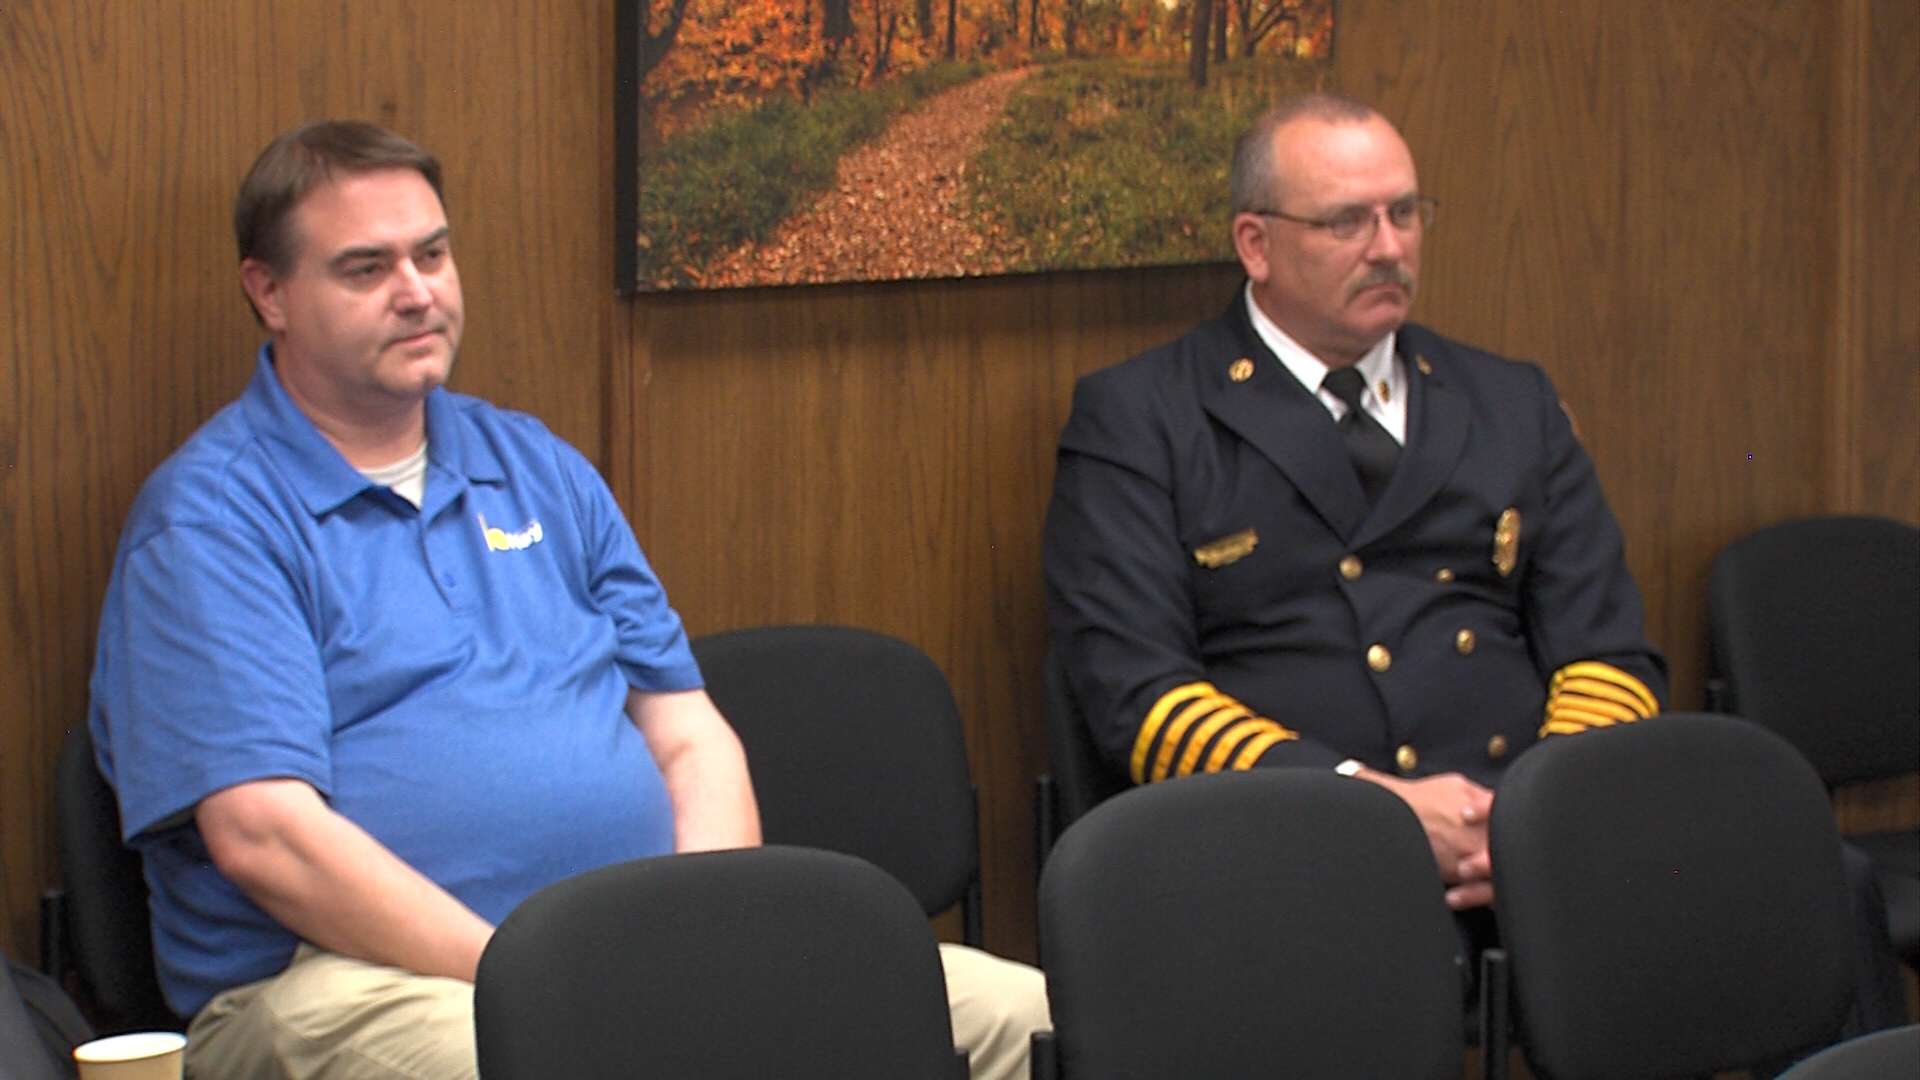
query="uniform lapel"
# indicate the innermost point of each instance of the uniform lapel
(1278, 417)
(1438, 416)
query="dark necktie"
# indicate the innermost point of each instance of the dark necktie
(1372, 449)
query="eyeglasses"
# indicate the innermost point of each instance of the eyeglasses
(1351, 221)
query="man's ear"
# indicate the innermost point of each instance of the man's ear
(262, 287)
(1250, 243)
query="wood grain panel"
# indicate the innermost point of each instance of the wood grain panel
(125, 330)
(124, 129)
(1875, 439)
(1880, 441)
(1641, 195)
(1878, 805)
(1630, 197)
(1633, 194)
(881, 456)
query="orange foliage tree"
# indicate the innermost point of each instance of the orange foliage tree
(718, 55)
(738, 52)
(1302, 29)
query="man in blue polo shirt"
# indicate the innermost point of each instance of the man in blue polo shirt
(379, 660)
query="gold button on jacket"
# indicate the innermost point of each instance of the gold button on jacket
(1464, 641)
(1406, 759)
(1497, 747)
(1287, 631)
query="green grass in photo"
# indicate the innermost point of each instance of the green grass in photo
(1124, 163)
(707, 191)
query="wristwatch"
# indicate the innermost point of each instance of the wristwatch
(1349, 767)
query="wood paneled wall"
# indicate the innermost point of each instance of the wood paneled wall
(1642, 196)
(124, 130)
(882, 457)
(1876, 424)
(1700, 217)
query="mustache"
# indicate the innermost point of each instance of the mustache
(1384, 275)
(434, 328)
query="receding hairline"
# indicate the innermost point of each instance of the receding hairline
(1253, 179)
(1321, 105)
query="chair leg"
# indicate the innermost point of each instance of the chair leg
(1046, 823)
(972, 921)
(54, 916)
(1494, 1006)
(972, 929)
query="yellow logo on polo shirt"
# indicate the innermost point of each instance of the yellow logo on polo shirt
(502, 540)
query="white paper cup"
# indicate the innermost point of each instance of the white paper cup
(142, 1055)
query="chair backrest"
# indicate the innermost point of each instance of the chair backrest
(108, 925)
(855, 745)
(728, 965)
(1816, 635)
(39, 1025)
(1282, 922)
(1671, 900)
(1081, 778)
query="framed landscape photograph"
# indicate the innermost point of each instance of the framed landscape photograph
(785, 142)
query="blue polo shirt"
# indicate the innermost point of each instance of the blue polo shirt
(451, 678)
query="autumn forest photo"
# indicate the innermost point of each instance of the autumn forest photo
(780, 142)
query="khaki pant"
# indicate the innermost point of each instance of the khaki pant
(332, 1018)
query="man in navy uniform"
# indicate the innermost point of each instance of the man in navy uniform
(1409, 578)
(1311, 533)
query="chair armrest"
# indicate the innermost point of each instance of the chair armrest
(1045, 1064)
(1716, 692)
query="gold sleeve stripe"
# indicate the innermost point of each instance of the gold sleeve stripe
(1156, 716)
(1185, 720)
(1604, 691)
(1223, 748)
(1203, 734)
(1233, 737)
(1235, 742)
(1257, 745)
(1587, 672)
(1561, 727)
(1595, 669)
(1610, 712)
(1574, 714)
(1177, 728)
(1232, 751)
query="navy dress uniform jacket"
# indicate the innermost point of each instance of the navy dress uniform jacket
(1222, 595)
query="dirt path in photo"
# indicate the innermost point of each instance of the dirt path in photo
(898, 208)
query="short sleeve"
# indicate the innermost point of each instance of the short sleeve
(653, 651)
(207, 675)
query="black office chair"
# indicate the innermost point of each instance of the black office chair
(1816, 635)
(1877, 1056)
(98, 927)
(39, 1024)
(1671, 901)
(855, 745)
(1282, 922)
(729, 965)
(1079, 778)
